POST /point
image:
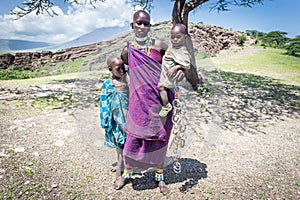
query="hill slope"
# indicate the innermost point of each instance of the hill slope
(15, 45)
(95, 36)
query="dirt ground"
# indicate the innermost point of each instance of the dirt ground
(51, 147)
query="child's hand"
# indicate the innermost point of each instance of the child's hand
(176, 73)
(171, 72)
(178, 76)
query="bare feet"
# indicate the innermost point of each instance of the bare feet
(119, 182)
(163, 188)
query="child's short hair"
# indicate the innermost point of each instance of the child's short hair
(181, 27)
(110, 59)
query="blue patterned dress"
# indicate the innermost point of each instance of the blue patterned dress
(113, 111)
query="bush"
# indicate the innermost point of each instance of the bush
(293, 47)
(7, 74)
(241, 39)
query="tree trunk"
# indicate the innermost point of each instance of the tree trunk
(180, 15)
(193, 77)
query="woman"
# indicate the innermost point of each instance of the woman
(147, 133)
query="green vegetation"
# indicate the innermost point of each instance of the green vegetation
(47, 70)
(277, 39)
(293, 47)
(210, 190)
(8, 74)
(268, 62)
(241, 39)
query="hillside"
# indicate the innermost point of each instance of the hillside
(12, 45)
(207, 39)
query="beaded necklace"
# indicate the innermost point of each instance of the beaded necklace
(146, 47)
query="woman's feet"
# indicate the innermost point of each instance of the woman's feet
(163, 188)
(119, 182)
(159, 177)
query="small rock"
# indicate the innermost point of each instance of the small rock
(270, 187)
(2, 154)
(19, 149)
(59, 143)
(36, 154)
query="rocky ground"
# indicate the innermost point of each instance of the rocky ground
(242, 141)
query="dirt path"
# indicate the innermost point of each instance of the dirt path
(51, 146)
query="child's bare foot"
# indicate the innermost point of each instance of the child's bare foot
(163, 188)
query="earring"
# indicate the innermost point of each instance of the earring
(150, 37)
(132, 35)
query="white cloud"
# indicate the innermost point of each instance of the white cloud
(78, 20)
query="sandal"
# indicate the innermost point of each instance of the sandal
(165, 110)
(163, 188)
(119, 182)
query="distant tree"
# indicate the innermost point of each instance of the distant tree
(180, 14)
(293, 46)
(275, 39)
(257, 35)
(254, 33)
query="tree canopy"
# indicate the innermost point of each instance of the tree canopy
(293, 46)
(275, 39)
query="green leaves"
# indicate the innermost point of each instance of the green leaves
(293, 46)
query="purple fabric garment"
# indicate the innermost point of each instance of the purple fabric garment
(147, 133)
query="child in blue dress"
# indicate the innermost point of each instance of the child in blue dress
(114, 107)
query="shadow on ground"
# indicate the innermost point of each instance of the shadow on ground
(248, 99)
(192, 171)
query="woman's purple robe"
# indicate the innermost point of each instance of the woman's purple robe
(147, 133)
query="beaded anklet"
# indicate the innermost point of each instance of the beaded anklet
(127, 173)
(159, 176)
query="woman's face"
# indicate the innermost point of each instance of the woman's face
(141, 24)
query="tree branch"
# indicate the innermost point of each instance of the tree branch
(42, 6)
(189, 6)
(177, 10)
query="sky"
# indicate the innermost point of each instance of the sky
(76, 20)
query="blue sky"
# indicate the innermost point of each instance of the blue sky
(74, 21)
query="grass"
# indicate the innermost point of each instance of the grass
(210, 190)
(29, 83)
(252, 60)
(47, 70)
(258, 61)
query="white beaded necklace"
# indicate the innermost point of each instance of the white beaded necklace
(144, 47)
